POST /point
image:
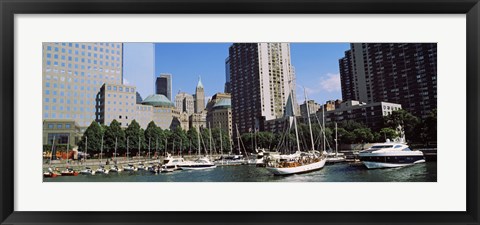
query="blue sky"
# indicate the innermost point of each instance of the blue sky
(316, 67)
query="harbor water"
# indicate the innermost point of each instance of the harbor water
(341, 172)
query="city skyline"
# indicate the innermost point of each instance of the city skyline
(316, 68)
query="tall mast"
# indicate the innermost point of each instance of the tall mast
(221, 142)
(86, 148)
(308, 115)
(210, 134)
(238, 139)
(115, 150)
(68, 146)
(101, 151)
(323, 121)
(139, 153)
(166, 146)
(336, 140)
(53, 146)
(295, 123)
(255, 137)
(198, 138)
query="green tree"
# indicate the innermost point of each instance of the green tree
(114, 133)
(192, 135)
(153, 136)
(93, 138)
(407, 121)
(387, 133)
(136, 139)
(179, 137)
(363, 135)
(345, 137)
(265, 139)
(248, 142)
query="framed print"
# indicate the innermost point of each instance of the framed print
(200, 112)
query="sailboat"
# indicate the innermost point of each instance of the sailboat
(201, 163)
(230, 159)
(101, 169)
(114, 168)
(335, 157)
(51, 173)
(300, 162)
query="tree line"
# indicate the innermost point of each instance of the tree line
(153, 139)
(418, 132)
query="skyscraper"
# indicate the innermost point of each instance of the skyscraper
(163, 85)
(227, 75)
(404, 73)
(261, 78)
(199, 97)
(72, 76)
(184, 103)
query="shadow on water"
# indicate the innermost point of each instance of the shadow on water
(344, 172)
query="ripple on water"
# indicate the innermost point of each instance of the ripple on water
(344, 172)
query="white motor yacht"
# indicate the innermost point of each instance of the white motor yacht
(171, 163)
(199, 164)
(390, 154)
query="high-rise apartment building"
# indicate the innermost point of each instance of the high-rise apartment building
(227, 75)
(72, 76)
(403, 73)
(163, 85)
(261, 78)
(199, 97)
(184, 103)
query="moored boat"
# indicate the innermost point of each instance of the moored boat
(114, 169)
(130, 168)
(101, 170)
(199, 164)
(87, 171)
(390, 154)
(300, 162)
(69, 172)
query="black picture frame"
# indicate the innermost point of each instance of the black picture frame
(9, 8)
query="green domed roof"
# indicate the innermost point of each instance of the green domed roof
(157, 100)
(223, 103)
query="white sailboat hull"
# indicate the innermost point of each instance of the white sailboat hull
(299, 169)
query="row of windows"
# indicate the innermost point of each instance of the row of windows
(76, 73)
(77, 45)
(69, 108)
(115, 88)
(59, 126)
(67, 116)
(89, 47)
(83, 60)
(77, 66)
